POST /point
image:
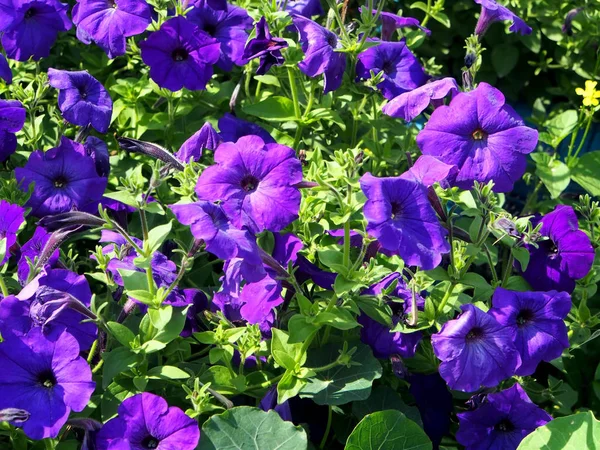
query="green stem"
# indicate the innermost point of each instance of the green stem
(347, 244)
(427, 16)
(491, 264)
(531, 197)
(574, 135)
(92, 351)
(508, 269)
(264, 384)
(585, 133)
(294, 89)
(447, 295)
(327, 429)
(3, 287)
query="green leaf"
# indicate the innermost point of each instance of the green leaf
(441, 18)
(559, 127)
(300, 329)
(134, 280)
(121, 333)
(340, 385)
(116, 361)
(521, 254)
(585, 173)
(575, 432)
(273, 108)
(289, 386)
(554, 173)
(337, 317)
(167, 373)
(249, 428)
(125, 197)
(389, 429)
(271, 80)
(286, 354)
(504, 58)
(171, 328)
(382, 398)
(156, 237)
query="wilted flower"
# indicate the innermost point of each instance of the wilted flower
(180, 55)
(537, 318)
(31, 250)
(12, 119)
(492, 11)
(45, 377)
(391, 22)
(255, 183)
(82, 99)
(11, 219)
(31, 27)
(567, 255)
(205, 138)
(501, 422)
(231, 128)
(319, 45)
(145, 421)
(265, 47)
(228, 26)
(400, 216)
(409, 105)
(109, 23)
(482, 136)
(475, 350)
(567, 27)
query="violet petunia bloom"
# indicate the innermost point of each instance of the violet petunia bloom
(229, 27)
(567, 255)
(109, 23)
(409, 105)
(146, 421)
(501, 422)
(30, 250)
(475, 350)
(402, 71)
(492, 11)
(11, 219)
(269, 402)
(46, 378)
(265, 47)
(12, 119)
(537, 318)
(319, 45)
(82, 99)
(180, 55)
(255, 183)
(5, 72)
(205, 138)
(64, 179)
(208, 222)
(305, 8)
(391, 22)
(42, 309)
(31, 27)
(427, 170)
(231, 128)
(97, 149)
(400, 216)
(481, 135)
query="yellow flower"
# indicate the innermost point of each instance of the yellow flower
(590, 94)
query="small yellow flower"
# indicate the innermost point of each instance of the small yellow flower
(590, 94)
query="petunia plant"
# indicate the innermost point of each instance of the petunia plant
(299, 224)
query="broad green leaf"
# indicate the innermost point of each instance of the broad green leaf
(156, 237)
(554, 173)
(382, 398)
(576, 432)
(248, 428)
(289, 386)
(123, 334)
(504, 58)
(170, 329)
(559, 127)
(521, 254)
(337, 317)
(300, 329)
(587, 172)
(116, 361)
(286, 354)
(389, 429)
(341, 385)
(125, 197)
(273, 108)
(167, 373)
(134, 280)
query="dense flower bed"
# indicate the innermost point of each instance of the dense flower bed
(296, 225)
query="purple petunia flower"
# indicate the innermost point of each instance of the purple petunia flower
(409, 105)
(205, 138)
(208, 222)
(229, 26)
(64, 180)
(567, 255)
(400, 216)
(231, 128)
(265, 47)
(197, 302)
(537, 318)
(402, 71)
(109, 23)
(97, 149)
(501, 422)
(82, 99)
(319, 45)
(42, 309)
(31, 27)
(269, 402)
(305, 8)
(481, 135)
(427, 170)
(12, 119)
(146, 421)
(475, 350)
(5, 72)
(31, 250)
(391, 22)
(46, 378)
(11, 219)
(492, 11)
(180, 55)
(255, 183)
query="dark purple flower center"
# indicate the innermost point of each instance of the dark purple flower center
(332, 40)
(549, 247)
(60, 182)
(249, 183)
(82, 92)
(47, 379)
(30, 13)
(474, 334)
(150, 442)
(210, 28)
(388, 67)
(504, 426)
(113, 4)
(524, 317)
(396, 210)
(479, 134)
(180, 54)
